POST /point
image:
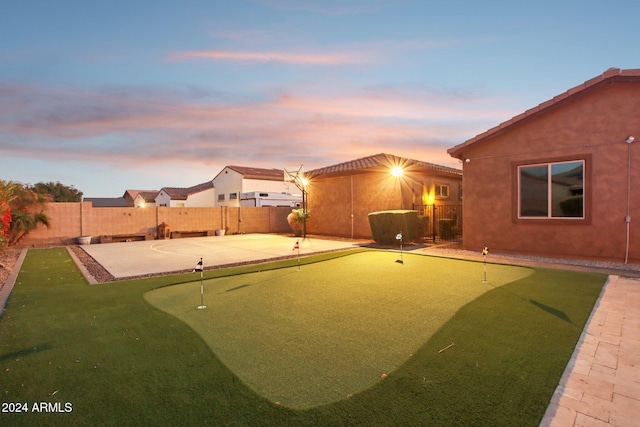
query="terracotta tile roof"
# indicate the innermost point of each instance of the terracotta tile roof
(180, 193)
(259, 173)
(148, 196)
(383, 161)
(131, 193)
(134, 193)
(609, 76)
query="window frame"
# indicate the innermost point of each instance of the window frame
(586, 160)
(441, 186)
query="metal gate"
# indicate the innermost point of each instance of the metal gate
(440, 223)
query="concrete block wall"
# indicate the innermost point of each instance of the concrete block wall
(68, 221)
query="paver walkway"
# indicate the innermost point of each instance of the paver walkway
(601, 384)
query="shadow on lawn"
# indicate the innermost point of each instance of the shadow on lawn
(553, 311)
(260, 282)
(26, 352)
(238, 287)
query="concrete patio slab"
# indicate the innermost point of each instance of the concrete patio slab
(130, 259)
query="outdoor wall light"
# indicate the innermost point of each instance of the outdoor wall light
(629, 139)
(396, 171)
(467, 160)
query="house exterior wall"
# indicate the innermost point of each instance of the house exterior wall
(226, 182)
(340, 205)
(229, 181)
(163, 199)
(140, 202)
(591, 127)
(206, 198)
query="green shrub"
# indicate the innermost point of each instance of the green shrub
(423, 225)
(385, 226)
(297, 219)
(446, 228)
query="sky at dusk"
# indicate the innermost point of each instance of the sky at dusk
(114, 95)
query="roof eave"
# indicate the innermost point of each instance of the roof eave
(608, 77)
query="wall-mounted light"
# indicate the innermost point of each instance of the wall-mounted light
(467, 160)
(629, 139)
(396, 171)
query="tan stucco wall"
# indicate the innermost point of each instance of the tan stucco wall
(71, 220)
(340, 205)
(593, 127)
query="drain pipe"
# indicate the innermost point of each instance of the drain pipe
(351, 206)
(627, 219)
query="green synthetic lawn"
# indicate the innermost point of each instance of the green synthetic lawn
(314, 336)
(115, 359)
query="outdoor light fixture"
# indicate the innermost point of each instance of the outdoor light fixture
(396, 171)
(629, 139)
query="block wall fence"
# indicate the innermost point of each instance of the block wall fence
(68, 221)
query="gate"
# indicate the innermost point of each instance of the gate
(440, 223)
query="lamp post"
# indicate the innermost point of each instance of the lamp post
(301, 182)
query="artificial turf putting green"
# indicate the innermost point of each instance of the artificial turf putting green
(311, 337)
(120, 361)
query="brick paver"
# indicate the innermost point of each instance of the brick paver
(601, 384)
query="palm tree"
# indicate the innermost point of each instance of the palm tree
(27, 211)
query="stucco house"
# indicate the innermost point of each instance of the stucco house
(561, 179)
(234, 180)
(201, 195)
(126, 200)
(341, 196)
(145, 199)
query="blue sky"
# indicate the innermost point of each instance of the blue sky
(115, 95)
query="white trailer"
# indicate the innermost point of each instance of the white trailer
(259, 199)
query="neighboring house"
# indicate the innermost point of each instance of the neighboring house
(234, 180)
(561, 179)
(340, 197)
(127, 200)
(201, 195)
(130, 196)
(145, 199)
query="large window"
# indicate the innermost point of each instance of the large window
(551, 190)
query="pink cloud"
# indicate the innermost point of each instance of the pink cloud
(409, 104)
(283, 57)
(316, 130)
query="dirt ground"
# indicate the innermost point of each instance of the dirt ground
(8, 257)
(95, 269)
